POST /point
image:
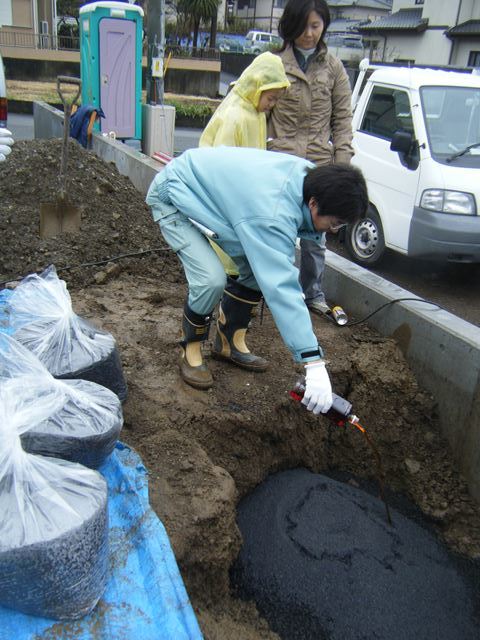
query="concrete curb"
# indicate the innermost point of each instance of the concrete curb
(442, 349)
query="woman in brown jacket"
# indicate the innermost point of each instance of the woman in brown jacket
(313, 118)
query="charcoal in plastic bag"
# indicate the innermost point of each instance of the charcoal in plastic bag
(54, 524)
(70, 347)
(83, 429)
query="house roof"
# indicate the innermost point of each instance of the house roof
(368, 4)
(344, 25)
(403, 20)
(468, 28)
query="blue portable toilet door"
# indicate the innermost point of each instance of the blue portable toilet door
(117, 76)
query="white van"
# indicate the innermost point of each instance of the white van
(258, 41)
(417, 141)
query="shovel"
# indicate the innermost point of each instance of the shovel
(62, 216)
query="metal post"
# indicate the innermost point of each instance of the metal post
(155, 50)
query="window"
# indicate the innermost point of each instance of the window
(474, 59)
(388, 110)
(419, 1)
(452, 116)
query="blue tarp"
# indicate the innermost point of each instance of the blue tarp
(145, 598)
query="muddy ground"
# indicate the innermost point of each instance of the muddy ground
(205, 450)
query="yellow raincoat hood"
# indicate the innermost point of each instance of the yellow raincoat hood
(236, 122)
(264, 73)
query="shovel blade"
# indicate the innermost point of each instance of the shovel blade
(58, 218)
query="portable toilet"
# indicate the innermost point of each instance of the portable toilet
(111, 65)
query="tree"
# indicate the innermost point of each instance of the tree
(69, 8)
(200, 10)
(213, 29)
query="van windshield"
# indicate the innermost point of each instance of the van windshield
(452, 117)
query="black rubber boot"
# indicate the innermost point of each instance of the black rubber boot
(195, 331)
(237, 307)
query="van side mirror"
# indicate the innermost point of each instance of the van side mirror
(407, 147)
(402, 142)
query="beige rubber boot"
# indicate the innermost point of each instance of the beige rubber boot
(192, 367)
(236, 309)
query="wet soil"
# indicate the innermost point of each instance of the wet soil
(206, 450)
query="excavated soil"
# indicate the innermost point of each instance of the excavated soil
(205, 450)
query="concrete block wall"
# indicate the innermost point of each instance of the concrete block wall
(442, 349)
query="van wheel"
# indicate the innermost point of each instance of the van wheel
(365, 241)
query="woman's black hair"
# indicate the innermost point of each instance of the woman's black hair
(339, 190)
(295, 16)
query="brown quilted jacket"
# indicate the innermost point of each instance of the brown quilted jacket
(313, 119)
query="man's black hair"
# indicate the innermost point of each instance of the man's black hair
(339, 190)
(295, 16)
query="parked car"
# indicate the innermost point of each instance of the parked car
(3, 96)
(416, 137)
(258, 41)
(346, 46)
(348, 40)
(230, 45)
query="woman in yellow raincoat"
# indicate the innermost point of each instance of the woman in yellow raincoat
(240, 119)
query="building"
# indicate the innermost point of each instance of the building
(265, 14)
(28, 23)
(427, 32)
(355, 13)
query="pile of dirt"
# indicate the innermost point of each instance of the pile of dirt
(205, 450)
(115, 218)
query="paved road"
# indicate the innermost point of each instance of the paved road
(21, 126)
(456, 287)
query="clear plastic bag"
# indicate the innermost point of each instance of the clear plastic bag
(42, 319)
(87, 421)
(54, 525)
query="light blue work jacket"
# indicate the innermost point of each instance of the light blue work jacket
(253, 200)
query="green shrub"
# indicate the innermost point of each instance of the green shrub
(200, 110)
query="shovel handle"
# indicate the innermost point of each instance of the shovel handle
(67, 109)
(68, 80)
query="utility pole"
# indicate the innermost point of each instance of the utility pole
(155, 50)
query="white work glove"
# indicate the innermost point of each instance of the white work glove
(6, 142)
(318, 389)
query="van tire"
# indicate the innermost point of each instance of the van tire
(365, 240)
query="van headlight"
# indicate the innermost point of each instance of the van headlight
(449, 202)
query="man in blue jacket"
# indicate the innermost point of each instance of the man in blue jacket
(253, 204)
